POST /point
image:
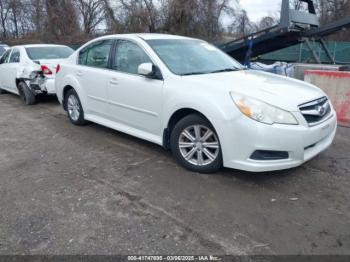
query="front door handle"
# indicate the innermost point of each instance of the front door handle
(79, 73)
(114, 81)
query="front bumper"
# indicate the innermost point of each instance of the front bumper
(245, 136)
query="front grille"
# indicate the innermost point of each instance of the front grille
(316, 111)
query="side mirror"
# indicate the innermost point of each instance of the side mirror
(149, 70)
(145, 69)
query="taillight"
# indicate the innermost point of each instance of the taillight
(58, 68)
(46, 70)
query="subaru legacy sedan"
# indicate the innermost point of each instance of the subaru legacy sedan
(188, 96)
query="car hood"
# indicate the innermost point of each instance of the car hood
(280, 91)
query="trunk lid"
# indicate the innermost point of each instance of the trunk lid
(51, 64)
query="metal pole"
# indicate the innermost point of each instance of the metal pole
(326, 49)
(300, 52)
(313, 52)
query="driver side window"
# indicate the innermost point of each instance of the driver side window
(128, 57)
(4, 58)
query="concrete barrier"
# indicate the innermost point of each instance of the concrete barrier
(337, 86)
(300, 69)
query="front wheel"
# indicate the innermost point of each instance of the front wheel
(74, 109)
(195, 145)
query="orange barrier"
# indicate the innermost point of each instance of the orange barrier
(336, 85)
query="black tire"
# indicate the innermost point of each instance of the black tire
(2, 91)
(80, 120)
(187, 123)
(27, 95)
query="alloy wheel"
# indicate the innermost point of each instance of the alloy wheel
(73, 107)
(199, 145)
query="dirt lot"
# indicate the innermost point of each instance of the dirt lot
(91, 190)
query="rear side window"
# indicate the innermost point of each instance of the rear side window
(50, 52)
(96, 54)
(4, 58)
(15, 56)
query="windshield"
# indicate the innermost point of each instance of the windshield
(51, 52)
(189, 57)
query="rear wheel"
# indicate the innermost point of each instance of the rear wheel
(195, 145)
(74, 109)
(27, 95)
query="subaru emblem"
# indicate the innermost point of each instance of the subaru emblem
(321, 110)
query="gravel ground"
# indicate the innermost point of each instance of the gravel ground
(91, 190)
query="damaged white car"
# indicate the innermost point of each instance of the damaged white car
(30, 70)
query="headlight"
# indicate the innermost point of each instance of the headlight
(262, 112)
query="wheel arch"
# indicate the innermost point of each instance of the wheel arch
(64, 92)
(18, 81)
(64, 85)
(175, 117)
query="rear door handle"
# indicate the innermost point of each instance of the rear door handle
(79, 73)
(114, 81)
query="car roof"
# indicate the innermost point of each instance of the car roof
(40, 45)
(160, 36)
(146, 36)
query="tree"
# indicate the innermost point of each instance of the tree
(61, 20)
(333, 10)
(140, 15)
(92, 14)
(37, 16)
(243, 24)
(75, 21)
(4, 12)
(199, 18)
(111, 20)
(213, 11)
(15, 7)
(152, 15)
(266, 22)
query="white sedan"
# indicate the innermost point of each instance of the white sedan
(30, 70)
(192, 98)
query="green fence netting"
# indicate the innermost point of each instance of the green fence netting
(301, 53)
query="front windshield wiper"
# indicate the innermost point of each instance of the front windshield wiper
(212, 72)
(194, 73)
(226, 70)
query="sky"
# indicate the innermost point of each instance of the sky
(257, 9)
